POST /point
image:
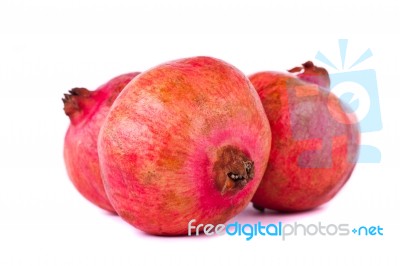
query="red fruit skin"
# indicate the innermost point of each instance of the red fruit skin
(87, 111)
(160, 145)
(315, 143)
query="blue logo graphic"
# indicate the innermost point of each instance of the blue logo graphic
(360, 91)
(368, 230)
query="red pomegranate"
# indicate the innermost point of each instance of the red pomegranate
(87, 111)
(315, 140)
(188, 139)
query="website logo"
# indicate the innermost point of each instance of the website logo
(359, 89)
(282, 230)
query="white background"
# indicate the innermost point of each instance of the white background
(48, 47)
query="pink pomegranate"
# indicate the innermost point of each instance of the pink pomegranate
(87, 111)
(315, 140)
(188, 139)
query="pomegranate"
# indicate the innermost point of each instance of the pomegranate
(315, 140)
(187, 139)
(87, 111)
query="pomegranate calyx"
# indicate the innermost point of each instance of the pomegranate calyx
(77, 103)
(232, 169)
(310, 73)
